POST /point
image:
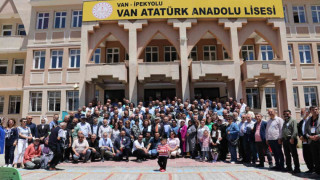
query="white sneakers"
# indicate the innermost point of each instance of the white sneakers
(7, 165)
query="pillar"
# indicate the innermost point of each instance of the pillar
(132, 27)
(183, 25)
(234, 50)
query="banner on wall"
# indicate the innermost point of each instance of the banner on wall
(148, 9)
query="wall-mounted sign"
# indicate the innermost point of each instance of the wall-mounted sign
(148, 9)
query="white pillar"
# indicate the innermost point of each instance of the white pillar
(133, 56)
(183, 25)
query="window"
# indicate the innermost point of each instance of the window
(209, 53)
(35, 101)
(20, 30)
(225, 53)
(285, 14)
(18, 66)
(271, 97)
(310, 96)
(113, 55)
(170, 53)
(76, 18)
(6, 30)
(290, 54)
(266, 52)
(151, 54)
(43, 21)
(253, 98)
(299, 14)
(193, 54)
(96, 94)
(1, 104)
(247, 52)
(3, 66)
(74, 58)
(318, 49)
(14, 104)
(315, 10)
(60, 20)
(305, 54)
(72, 100)
(56, 59)
(296, 97)
(39, 59)
(96, 56)
(54, 99)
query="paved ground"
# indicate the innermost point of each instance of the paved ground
(177, 169)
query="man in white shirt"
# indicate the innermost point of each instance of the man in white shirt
(80, 147)
(139, 150)
(84, 127)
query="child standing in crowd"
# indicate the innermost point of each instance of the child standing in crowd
(163, 150)
(215, 135)
(206, 141)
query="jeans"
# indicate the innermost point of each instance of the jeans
(82, 155)
(9, 154)
(277, 152)
(233, 152)
(205, 154)
(153, 152)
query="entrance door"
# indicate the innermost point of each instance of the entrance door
(159, 94)
(206, 93)
(114, 95)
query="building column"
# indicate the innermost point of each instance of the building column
(302, 103)
(234, 52)
(279, 98)
(185, 84)
(132, 27)
(263, 105)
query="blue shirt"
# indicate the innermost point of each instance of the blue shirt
(104, 142)
(52, 124)
(219, 111)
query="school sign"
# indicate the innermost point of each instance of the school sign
(147, 9)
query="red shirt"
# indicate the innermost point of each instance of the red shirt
(257, 133)
(31, 152)
(163, 150)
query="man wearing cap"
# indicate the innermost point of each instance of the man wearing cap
(84, 126)
(31, 158)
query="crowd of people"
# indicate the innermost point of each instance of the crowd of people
(204, 130)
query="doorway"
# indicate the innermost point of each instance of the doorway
(206, 93)
(160, 94)
(114, 95)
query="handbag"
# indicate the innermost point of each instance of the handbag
(234, 142)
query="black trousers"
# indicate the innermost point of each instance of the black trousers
(56, 149)
(9, 154)
(242, 153)
(291, 150)
(307, 156)
(162, 161)
(140, 154)
(262, 149)
(67, 153)
(315, 148)
(223, 150)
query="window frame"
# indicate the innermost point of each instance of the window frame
(43, 20)
(317, 12)
(273, 96)
(318, 52)
(253, 94)
(7, 30)
(113, 53)
(210, 51)
(296, 96)
(304, 50)
(19, 30)
(309, 95)
(61, 18)
(55, 102)
(171, 51)
(290, 51)
(37, 98)
(42, 55)
(16, 102)
(266, 51)
(152, 53)
(58, 55)
(73, 98)
(193, 50)
(16, 65)
(76, 60)
(5, 65)
(1, 104)
(285, 14)
(95, 54)
(298, 14)
(79, 23)
(248, 51)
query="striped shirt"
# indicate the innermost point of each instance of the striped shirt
(163, 150)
